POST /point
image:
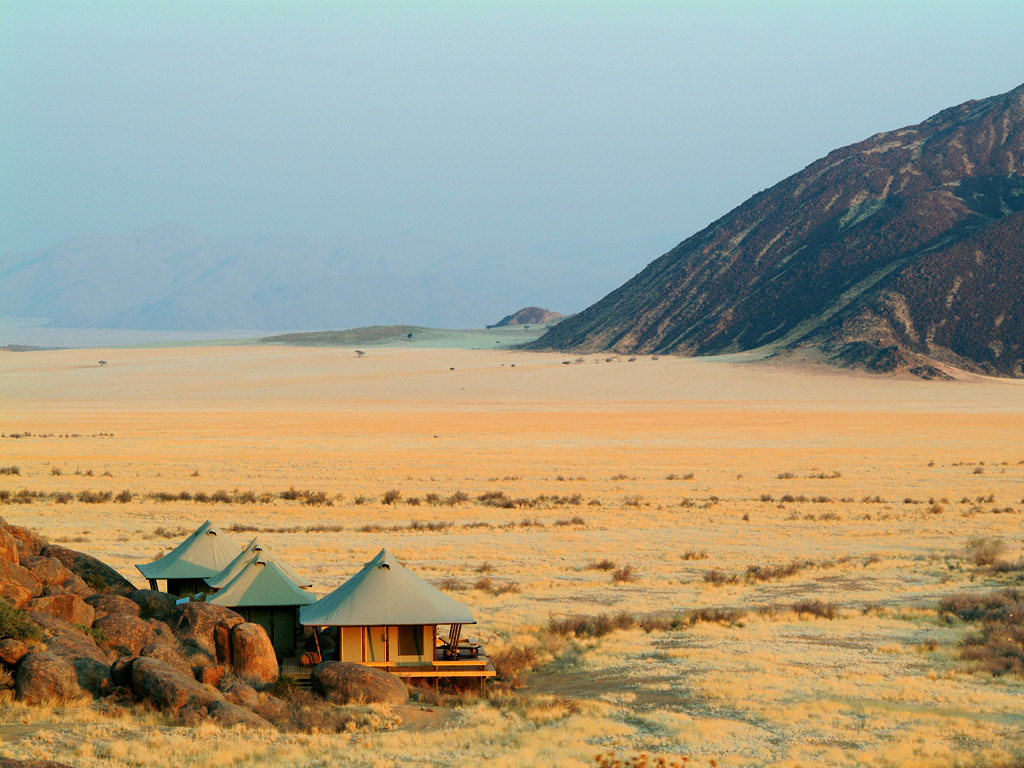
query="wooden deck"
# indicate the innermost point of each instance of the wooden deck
(466, 665)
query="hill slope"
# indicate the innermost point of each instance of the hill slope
(910, 243)
(528, 316)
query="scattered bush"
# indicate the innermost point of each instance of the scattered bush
(693, 554)
(391, 497)
(11, 470)
(999, 647)
(13, 623)
(601, 565)
(624, 574)
(817, 608)
(95, 497)
(124, 497)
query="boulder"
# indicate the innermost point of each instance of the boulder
(166, 687)
(71, 608)
(98, 575)
(228, 714)
(8, 546)
(12, 651)
(17, 584)
(193, 624)
(222, 637)
(104, 605)
(121, 671)
(168, 654)
(252, 655)
(93, 676)
(240, 693)
(161, 632)
(124, 633)
(342, 682)
(43, 678)
(29, 543)
(55, 578)
(151, 603)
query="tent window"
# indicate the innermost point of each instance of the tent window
(410, 641)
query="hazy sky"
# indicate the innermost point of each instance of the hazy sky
(552, 127)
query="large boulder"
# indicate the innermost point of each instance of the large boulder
(43, 678)
(252, 655)
(342, 682)
(168, 654)
(166, 687)
(124, 633)
(70, 608)
(193, 624)
(12, 651)
(222, 637)
(237, 692)
(55, 578)
(93, 676)
(98, 575)
(104, 605)
(161, 632)
(17, 584)
(228, 714)
(29, 543)
(8, 546)
(151, 603)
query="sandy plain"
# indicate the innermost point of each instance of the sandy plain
(662, 460)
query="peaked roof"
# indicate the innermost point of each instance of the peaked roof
(385, 592)
(260, 582)
(254, 549)
(204, 553)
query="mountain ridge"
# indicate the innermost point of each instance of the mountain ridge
(852, 249)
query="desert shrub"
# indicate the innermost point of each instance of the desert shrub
(830, 516)
(985, 551)
(601, 565)
(10, 470)
(63, 497)
(95, 497)
(433, 499)
(283, 687)
(456, 498)
(124, 497)
(624, 574)
(512, 663)
(577, 520)
(694, 554)
(434, 525)
(496, 499)
(451, 584)
(598, 625)
(817, 608)
(246, 497)
(220, 497)
(14, 623)
(767, 497)
(56, 471)
(774, 572)
(484, 567)
(486, 584)
(414, 501)
(361, 500)
(633, 501)
(684, 476)
(305, 712)
(391, 497)
(785, 476)
(718, 578)
(999, 647)
(202, 497)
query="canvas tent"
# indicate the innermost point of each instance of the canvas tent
(254, 549)
(264, 593)
(386, 615)
(205, 553)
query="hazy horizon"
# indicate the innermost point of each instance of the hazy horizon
(588, 136)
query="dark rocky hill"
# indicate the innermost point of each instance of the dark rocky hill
(907, 245)
(528, 316)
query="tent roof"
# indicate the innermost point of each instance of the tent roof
(260, 582)
(204, 553)
(382, 593)
(255, 547)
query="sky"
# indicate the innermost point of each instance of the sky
(576, 130)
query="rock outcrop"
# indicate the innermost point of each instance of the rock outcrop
(98, 575)
(43, 678)
(342, 682)
(252, 655)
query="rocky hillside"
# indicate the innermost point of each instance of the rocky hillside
(906, 246)
(528, 316)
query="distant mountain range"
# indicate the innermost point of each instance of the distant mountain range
(168, 277)
(900, 250)
(528, 316)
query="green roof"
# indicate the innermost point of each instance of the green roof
(206, 552)
(260, 582)
(385, 593)
(255, 547)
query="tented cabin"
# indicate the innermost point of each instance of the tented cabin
(205, 553)
(264, 593)
(386, 616)
(254, 549)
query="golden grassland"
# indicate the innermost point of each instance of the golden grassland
(674, 467)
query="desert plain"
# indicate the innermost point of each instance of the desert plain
(773, 539)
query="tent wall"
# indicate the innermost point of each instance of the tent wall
(279, 623)
(185, 587)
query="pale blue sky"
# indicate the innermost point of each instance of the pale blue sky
(560, 128)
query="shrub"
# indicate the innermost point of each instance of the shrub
(512, 663)
(123, 497)
(999, 647)
(592, 626)
(577, 520)
(818, 608)
(221, 497)
(392, 496)
(13, 623)
(11, 470)
(600, 565)
(693, 554)
(718, 578)
(95, 497)
(624, 574)
(985, 551)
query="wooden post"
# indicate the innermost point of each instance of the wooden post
(316, 639)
